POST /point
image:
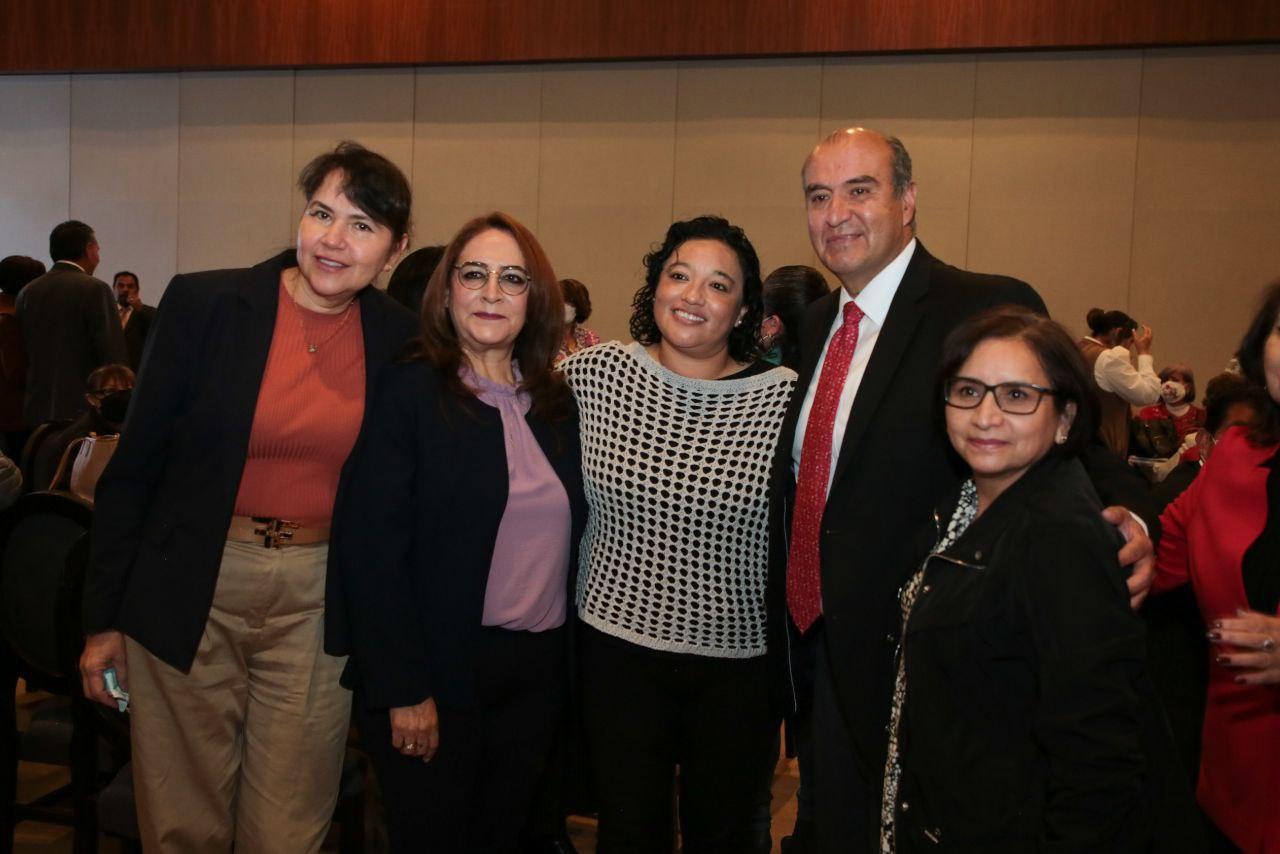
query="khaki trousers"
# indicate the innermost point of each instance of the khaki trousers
(247, 748)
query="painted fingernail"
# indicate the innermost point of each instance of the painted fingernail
(1217, 624)
(1240, 681)
(1222, 659)
(1214, 635)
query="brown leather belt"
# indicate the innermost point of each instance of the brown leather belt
(275, 533)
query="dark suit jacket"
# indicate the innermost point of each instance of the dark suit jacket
(70, 327)
(894, 466)
(428, 489)
(136, 329)
(165, 501)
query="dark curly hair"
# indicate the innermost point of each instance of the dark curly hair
(744, 346)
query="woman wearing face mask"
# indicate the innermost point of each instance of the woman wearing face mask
(678, 432)
(108, 392)
(207, 587)
(1176, 416)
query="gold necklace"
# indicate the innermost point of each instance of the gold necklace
(312, 347)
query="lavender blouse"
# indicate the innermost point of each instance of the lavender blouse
(529, 570)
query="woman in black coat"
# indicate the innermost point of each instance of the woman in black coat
(1018, 720)
(211, 526)
(456, 570)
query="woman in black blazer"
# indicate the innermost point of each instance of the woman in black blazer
(211, 525)
(456, 570)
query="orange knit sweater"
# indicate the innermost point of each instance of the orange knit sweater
(308, 415)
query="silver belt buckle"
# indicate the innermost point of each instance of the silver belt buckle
(275, 533)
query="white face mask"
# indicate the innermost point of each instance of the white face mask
(1173, 391)
(569, 312)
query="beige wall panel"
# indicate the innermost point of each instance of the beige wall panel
(475, 147)
(35, 143)
(124, 172)
(235, 179)
(608, 162)
(374, 107)
(928, 103)
(742, 131)
(1054, 147)
(1208, 199)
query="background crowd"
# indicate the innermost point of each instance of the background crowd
(910, 516)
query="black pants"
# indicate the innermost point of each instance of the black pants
(845, 794)
(476, 793)
(647, 712)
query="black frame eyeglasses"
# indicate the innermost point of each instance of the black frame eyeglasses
(1013, 398)
(474, 275)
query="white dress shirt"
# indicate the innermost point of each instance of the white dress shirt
(874, 300)
(1114, 372)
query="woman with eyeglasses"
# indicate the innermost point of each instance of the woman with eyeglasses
(1016, 722)
(456, 571)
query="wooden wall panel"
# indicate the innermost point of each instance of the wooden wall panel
(162, 34)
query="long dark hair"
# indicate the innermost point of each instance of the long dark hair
(1252, 353)
(744, 345)
(539, 340)
(788, 291)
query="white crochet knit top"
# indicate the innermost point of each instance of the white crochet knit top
(676, 472)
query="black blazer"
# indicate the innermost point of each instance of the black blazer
(427, 492)
(1023, 726)
(136, 329)
(894, 466)
(164, 503)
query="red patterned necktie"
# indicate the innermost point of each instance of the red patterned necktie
(804, 576)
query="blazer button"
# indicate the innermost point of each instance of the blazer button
(889, 638)
(906, 807)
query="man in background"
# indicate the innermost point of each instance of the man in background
(70, 326)
(135, 318)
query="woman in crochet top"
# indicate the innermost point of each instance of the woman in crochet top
(678, 431)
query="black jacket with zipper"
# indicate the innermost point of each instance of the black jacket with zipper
(1028, 711)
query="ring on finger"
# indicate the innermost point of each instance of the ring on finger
(411, 746)
(1268, 644)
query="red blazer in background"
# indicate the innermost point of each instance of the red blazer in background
(1206, 532)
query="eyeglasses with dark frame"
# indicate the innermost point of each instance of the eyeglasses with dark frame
(474, 275)
(1013, 398)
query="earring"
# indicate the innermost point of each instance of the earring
(1061, 438)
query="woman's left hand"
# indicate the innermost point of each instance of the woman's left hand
(1253, 640)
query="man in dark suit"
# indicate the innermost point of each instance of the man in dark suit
(135, 318)
(862, 461)
(70, 327)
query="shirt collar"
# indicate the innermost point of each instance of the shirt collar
(73, 264)
(877, 296)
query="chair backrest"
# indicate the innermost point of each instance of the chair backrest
(44, 549)
(27, 462)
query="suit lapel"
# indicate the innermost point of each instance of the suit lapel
(247, 362)
(900, 324)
